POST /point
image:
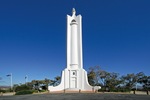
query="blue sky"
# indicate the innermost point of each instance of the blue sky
(116, 36)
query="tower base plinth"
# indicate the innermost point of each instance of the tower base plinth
(74, 80)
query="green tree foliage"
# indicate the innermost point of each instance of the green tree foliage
(22, 87)
(145, 81)
(47, 82)
(115, 82)
(97, 76)
(56, 81)
(112, 81)
(94, 76)
(129, 80)
(36, 84)
(91, 77)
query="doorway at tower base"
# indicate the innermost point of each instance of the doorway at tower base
(73, 80)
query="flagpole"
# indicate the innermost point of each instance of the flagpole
(11, 80)
(26, 79)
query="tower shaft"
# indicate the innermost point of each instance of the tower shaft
(74, 41)
(74, 61)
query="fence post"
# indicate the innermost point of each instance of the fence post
(64, 91)
(1, 93)
(96, 91)
(79, 90)
(147, 92)
(134, 92)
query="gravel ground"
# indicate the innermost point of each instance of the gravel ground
(77, 96)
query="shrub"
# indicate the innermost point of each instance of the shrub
(102, 89)
(23, 92)
(35, 91)
(22, 87)
(3, 91)
(42, 90)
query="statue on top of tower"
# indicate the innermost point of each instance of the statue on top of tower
(73, 12)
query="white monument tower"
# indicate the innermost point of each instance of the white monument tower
(74, 77)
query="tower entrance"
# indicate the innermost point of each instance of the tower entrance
(73, 82)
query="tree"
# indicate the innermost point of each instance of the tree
(129, 80)
(104, 76)
(145, 81)
(46, 83)
(36, 84)
(112, 81)
(56, 81)
(15, 86)
(97, 76)
(94, 75)
(91, 77)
